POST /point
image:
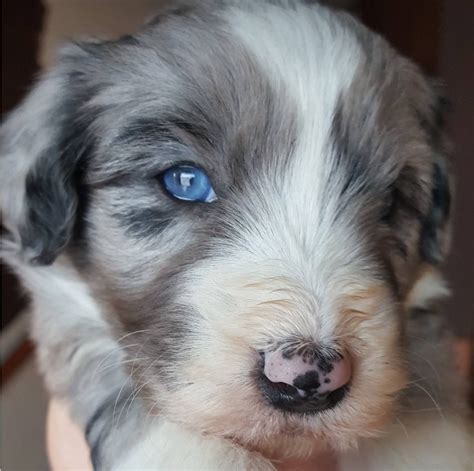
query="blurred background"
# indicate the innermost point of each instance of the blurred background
(436, 34)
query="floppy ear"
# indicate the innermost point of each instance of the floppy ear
(42, 147)
(436, 226)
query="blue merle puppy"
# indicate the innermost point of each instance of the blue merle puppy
(232, 226)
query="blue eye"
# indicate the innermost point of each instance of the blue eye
(188, 183)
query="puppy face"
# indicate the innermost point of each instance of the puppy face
(323, 151)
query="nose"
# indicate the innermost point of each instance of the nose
(310, 380)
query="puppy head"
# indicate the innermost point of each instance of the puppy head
(322, 196)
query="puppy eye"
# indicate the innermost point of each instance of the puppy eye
(188, 183)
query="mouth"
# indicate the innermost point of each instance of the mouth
(290, 399)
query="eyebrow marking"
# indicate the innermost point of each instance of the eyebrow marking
(146, 129)
(192, 129)
(165, 129)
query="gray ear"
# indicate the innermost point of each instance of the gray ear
(435, 233)
(42, 145)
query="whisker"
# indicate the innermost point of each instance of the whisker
(430, 364)
(131, 333)
(119, 363)
(405, 431)
(129, 378)
(116, 402)
(419, 380)
(134, 395)
(415, 411)
(104, 359)
(437, 406)
(136, 390)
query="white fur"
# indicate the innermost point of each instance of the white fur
(293, 47)
(183, 450)
(432, 444)
(430, 287)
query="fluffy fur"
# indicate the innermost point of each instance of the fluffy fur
(326, 151)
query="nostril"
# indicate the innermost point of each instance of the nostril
(309, 381)
(287, 398)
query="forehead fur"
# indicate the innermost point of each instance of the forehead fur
(297, 113)
(236, 78)
(248, 87)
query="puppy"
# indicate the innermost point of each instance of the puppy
(232, 226)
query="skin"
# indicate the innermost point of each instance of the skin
(67, 447)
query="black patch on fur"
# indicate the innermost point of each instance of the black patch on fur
(402, 197)
(96, 416)
(145, 222)
(56, 198)
(51, 208)
(350, 159)
(52, 200)
(433, 223)
(440, 193)
(390, 206)
(95, 444)
(435, 125)
(100, 424)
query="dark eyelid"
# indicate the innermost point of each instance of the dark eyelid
(147, 146)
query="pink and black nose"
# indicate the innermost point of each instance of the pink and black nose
(307, 381)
